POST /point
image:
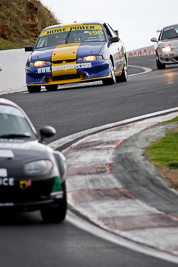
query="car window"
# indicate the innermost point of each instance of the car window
(112, 31)
(170, 33)
(14, 122)
(75, 34)
(159, 38)
(86, 36)
(108, 32)
(52, 40)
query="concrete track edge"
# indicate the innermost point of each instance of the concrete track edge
(85, 225)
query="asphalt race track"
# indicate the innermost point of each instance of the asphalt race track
(25, 240)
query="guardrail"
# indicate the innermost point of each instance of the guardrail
(145, 51)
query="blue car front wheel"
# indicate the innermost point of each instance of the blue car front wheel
(112, 80)
(124, 76)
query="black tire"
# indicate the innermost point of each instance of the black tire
(112, 80)
(55, 213)
(34, 89)
(124, 76)
(159, 65)
(51, 87)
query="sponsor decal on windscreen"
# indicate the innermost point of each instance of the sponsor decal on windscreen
(71, 28)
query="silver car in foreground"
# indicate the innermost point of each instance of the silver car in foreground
(167, 46)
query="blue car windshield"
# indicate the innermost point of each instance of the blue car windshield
(55, 37)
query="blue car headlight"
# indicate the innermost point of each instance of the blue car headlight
(38, 167)
(39, 63)
(89, 58)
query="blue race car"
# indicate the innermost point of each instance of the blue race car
(78, 52)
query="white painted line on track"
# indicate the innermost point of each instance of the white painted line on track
(58, 143)
(146, 70)
(116, 239)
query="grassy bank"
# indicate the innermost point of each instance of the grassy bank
(23, 21)
(164, 155)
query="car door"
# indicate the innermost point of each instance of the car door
(116, 48)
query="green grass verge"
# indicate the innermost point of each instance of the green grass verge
(164, 152)
(171, 121)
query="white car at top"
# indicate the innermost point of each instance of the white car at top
(167, 46)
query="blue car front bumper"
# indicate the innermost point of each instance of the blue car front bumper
(98, 69)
